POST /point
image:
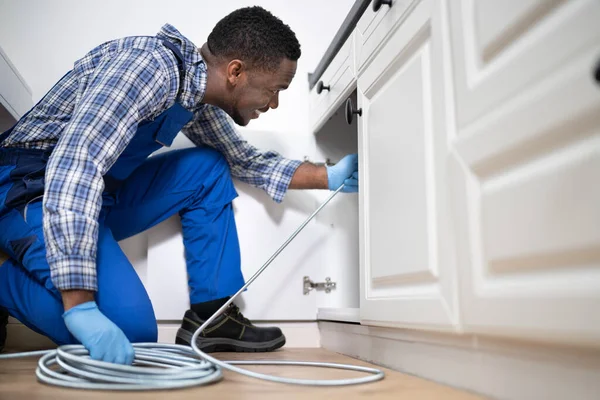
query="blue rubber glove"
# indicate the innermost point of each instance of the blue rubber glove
(346, 172)
(104, 340)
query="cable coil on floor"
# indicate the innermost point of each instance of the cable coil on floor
(171, 366)
(162, 366)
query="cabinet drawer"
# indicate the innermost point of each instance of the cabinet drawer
(501, 48)
(374, 28)
(340, 78)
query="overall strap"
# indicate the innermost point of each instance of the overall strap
(176, 52)
(180, 62)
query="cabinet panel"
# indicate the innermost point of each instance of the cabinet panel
(501, 48)
(407, 263)
(399, 211)
(500, 23)
(374, 28)
(528, 217)
(526, 199)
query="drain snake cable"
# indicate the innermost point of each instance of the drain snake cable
(172, 366)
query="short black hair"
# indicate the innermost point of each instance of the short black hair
(255, 36)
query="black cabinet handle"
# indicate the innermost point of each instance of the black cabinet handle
(597, 72)
(350, 111)
(321, 87)
(378, 3)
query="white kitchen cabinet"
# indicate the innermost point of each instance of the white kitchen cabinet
(407, 250)
(525, 168)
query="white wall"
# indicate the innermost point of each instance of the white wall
(43, 38)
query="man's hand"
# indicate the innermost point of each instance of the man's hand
(346, 172)
(103, 339)
(311, 176)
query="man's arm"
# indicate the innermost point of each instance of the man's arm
(309, 176)
(266, 170)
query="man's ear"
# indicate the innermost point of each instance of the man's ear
(236, 70)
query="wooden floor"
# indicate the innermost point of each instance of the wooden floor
(17, 381)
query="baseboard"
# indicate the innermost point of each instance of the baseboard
(339, 314)
(491, 367)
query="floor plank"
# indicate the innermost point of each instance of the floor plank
(17, 381)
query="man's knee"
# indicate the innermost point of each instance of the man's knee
(213, 155)
(137, 322)
(145, 330)
(211, 174)
(209, 159)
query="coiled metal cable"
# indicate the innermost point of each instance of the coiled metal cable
(171, 366)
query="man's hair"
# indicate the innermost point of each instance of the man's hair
(255, 36)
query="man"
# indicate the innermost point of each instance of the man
(75, 178)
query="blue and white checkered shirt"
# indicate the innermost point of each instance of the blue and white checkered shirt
(91, 114)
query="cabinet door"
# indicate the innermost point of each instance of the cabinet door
(526, 174)
(407, 261)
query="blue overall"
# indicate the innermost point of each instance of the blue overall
(140, 192)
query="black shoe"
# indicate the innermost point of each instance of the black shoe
(3, 323)
(229, 332)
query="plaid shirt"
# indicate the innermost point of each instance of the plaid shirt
(90, 116)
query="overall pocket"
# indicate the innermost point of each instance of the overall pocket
(28, 183)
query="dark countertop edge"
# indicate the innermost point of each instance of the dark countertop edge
(338, 41)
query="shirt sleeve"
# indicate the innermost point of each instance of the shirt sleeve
(121, 91)
(266, 170)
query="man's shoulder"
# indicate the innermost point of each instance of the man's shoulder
(136, 49)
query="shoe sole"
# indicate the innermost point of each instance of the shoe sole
(212, 345)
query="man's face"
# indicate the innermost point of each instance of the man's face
(258, 91)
